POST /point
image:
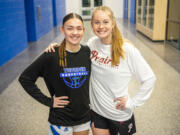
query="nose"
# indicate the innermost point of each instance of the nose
(75, 31)
(101, 25)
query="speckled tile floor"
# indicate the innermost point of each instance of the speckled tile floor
(21, 115)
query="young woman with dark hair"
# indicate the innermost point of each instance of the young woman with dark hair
(66, 73)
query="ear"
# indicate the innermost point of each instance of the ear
(61, 29)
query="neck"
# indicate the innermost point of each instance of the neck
(73, 48)
(106, 40)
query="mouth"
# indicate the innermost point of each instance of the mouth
(75, 37)
(101, 32)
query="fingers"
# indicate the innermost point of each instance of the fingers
(51, 47)
(121, 102)
(121, 99)
(48, 49)
(60, 102)
(120, 105)
(61, 97)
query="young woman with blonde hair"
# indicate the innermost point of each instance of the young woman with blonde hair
(114, 61)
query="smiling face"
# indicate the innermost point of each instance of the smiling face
(102, 25)
(73, 29)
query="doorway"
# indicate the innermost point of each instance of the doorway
(88, 6)
(173, 24)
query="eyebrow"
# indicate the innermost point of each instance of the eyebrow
(74, 26)
(102, 20)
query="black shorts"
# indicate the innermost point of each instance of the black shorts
(123, 127)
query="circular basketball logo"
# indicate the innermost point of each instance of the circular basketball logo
(74, 77)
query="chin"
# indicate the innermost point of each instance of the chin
(75, 43)
(102, 36)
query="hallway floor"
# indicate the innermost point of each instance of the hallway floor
(22, 115)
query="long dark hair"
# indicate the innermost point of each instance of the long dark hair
(62, 48)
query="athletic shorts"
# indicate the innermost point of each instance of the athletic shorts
(123, 127)
(63, 130)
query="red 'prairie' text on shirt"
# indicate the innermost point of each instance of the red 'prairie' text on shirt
(96, 58)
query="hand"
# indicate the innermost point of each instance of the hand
(51, 47)
(121, 102)
(60, 102)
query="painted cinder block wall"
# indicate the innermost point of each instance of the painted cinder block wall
(13, 35)
(132, 10)
(125, 9)
(38, 23)
(19, 23)
(59, 11)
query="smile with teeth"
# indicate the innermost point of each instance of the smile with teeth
(75, 37)
(101, 32)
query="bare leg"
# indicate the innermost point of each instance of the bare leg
(98, 131)
(86, 132)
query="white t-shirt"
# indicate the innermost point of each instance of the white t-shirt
(108, 83)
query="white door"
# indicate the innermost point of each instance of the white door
(88, 6)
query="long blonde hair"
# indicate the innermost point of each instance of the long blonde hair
(117, 40)
(62, 48)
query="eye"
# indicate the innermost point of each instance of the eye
(69, 28)
(96, 22)
(106, 22)
(79, 28)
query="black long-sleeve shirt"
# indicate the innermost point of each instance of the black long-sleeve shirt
(71, 81)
